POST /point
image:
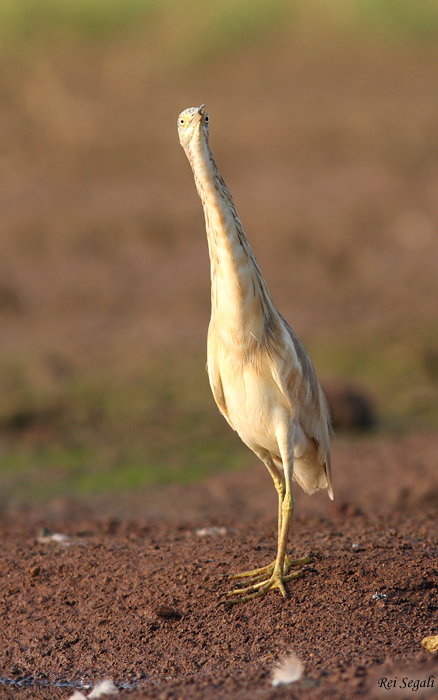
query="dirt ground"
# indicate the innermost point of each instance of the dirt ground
(139, 596)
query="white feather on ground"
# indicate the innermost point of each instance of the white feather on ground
(107, 687)
(289, 670)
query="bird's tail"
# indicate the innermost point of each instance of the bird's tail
(312, 475)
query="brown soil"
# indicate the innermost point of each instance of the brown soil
(140, 598)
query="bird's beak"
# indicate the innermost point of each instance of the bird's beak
(197, 116)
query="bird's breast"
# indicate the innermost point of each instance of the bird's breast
(253, 400)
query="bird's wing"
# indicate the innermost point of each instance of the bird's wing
(217, 388)
(328, 471)
(298, 382)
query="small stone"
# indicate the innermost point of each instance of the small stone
(430, 643)
(208, 531)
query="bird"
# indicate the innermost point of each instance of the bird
(260, 374)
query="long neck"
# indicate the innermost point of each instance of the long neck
(241, 304)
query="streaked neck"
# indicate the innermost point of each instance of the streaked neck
(239, 294)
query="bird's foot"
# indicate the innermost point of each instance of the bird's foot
(262, 580)
(258, 574)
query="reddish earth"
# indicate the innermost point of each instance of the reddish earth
(140, 597)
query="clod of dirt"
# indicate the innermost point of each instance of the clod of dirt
(351, 408)
(430, 362)
(166, 612)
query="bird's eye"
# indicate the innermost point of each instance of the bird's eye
(206, 118)
(181, 121)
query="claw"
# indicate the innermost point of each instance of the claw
(251, 587)
(252, 580)
(263, 588)
(254, 572)
(257, 573)
(259, 584)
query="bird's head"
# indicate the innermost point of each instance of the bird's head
(192, 125)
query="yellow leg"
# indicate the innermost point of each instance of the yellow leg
(264, 579)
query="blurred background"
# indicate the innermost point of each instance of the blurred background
(324, 124)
